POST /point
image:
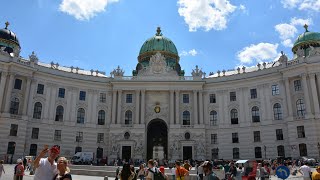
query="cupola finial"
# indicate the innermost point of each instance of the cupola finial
(158, 31)
(7, 24)
(306, 27)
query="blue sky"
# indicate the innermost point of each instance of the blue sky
(214, 34)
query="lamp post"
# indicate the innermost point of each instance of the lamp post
(265, 152)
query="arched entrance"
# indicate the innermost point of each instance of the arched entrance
(157, 140)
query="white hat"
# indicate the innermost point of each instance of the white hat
(19, 160)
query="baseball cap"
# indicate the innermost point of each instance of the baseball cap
(55, 149)
(161, 169)
(206, 164)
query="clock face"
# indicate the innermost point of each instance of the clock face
(157, 109)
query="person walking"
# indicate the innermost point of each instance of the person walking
(316, 174)
(207, 169)
(20, 171)
(126, 173)
(181, 172)
(305, 171)
(63, 169)
(141, 172)
(1, 168)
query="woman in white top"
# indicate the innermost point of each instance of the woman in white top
(1, 168)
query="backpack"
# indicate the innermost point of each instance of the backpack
(157, 175)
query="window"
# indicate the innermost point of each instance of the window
(279, 134)
(33, 150)
(300, 131)
(235, 138)
(103, 97)
(14, 106)
(257, 152)
(17, 84)
(280, 150)
(187, 136)
(99, 152)
(11, 147)
(301, 109)
(126, 135)
(255, 114)
(59, 113)
(186, 118)
(215, 153)
(101, 117)
(57, 135)
(100, 137)
(275, 90)
(61, 92)
(185, 98)
(234, 116)
(35, 133)
(78, 149)
(79, 136)
(212, 98)
(233, 96)
(256, 136)
(277, 112)
(214, 139)
(40, 89)
(128, 117)
(128, 98)
(303, 149)
(213, 118)
(82, 96)
(14, 130)
(253, 93)
(297, 85)
(37, 110)
(236, 153)
(80, 116)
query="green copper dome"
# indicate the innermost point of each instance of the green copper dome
(306, 39)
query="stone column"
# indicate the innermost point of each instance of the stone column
(143, 106)
(200, 107)
(30, 102)
(90, 106)
(48, 100)
(314, 94)
(268, 104)
(178, 107)
(2, 86)
(114, 106)
(52, 106)
(288, 97)
(226, 100)
(8, 95)
(69, 102)
(94, 107)
(195, 107)
(26, 97)
(137, 106)
(306, 95)
(247, 117)
(205, 109)
(74, 110)
(242, 108)
(119, 107)
(171, 106)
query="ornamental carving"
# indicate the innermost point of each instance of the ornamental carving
(151, 114)
(314, 51)
(157, 63)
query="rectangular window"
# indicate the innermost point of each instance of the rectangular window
(103, 97)
(40, 89)
(35, 133)
(297, 85)
(17, 84)
(253, 93)
(185, 98)
(57, 135)
(79, 137)
(300, 131)
(61, 93)
(128, 98)
(212, 98)
(236, 153)
(82, 96)
(235, 138)
(214, 139)
(275, 90)
(100, 138)
(256, 136)
(233, 96)
(14, 130)
(279, 134)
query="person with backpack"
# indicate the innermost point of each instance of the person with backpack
(181, 172)
(154, 173)
(207, 169)
(20, 171)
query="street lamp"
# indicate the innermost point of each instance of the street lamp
(265, 152)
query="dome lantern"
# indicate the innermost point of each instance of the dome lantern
(305, 40)
(9, 41)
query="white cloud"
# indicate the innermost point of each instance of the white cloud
(286, 30)
(191, 52)
(287, 43)
(300, 22)
(258, 53)
(206, 14)
(313, 5)
(290, 3)
(84, 9)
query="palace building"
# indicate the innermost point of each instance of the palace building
(265, 111)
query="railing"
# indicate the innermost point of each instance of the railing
(293, 62)
(152, 78)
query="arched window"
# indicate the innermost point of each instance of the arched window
(33, 150)
(128, 117)
(236, 153)
(59, 113)
(280, 150)
(14, 106)
(257, 152)
(37, 110)
(101, 117)
(255, 114)
(301, 109)
(80, 116)
(277, 112)
(234, 116)
(213, 118)
(186, 118)
(303, 149)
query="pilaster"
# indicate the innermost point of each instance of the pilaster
(306, 95)
(26, 96)
(137, 114)
(195, 107)
(314, 94)
(9, 91)
(119, 107)
(2, 86)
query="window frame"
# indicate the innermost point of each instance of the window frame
(253, 93)
(17, 84)
(186, 119)
(277, 111)
(255, 114)
(233, 96)
(103, 98)
(234, 116)
(297, 85)
(214, 138)
(37, 110)
(14, 106)
(128, 117)
(279, 134)
(81, 114)
(61, 92)
(129, 98)
(82, 95)
(213, 117)
(275, 89)
(101, 117)
(301, 132)
(35, 133)
(236, 153)
(301, 108)
(59, 113)
(256, 136)
(212, 98)
(14, 130)
(258, 152)
(185, 98)
(40, 88)
(57, 135)
(235, 138)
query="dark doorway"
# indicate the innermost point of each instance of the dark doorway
(126, 153)
(187, 152)
(157, 135)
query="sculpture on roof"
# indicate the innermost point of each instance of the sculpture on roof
(283, 58)
(314, 51)
(33, 58)
(117, 72)
(198, 72)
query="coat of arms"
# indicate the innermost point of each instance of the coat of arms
(158, 63)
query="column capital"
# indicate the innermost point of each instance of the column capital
(12, 74)
(143, 91)
(194, 91)
(137, 90)
(4, 74)
(312, 75)
(177, 91)
(303, 75)
(119, 90)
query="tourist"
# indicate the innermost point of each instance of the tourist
(181, 172)
(126, 173)
(316, 174)
(135, 174)
(163, 172)
(19, 170)
(151, 169)
(1, 168)
(232, 170)
(173, 171)
(262, 172)
(15, 169)
(208, 173)
(63, 170)
(117, 173)
(141, 172)
(187, 165)
(305, 171)
(200, 171)
(46, 168)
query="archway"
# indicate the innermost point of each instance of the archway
(157, 140)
